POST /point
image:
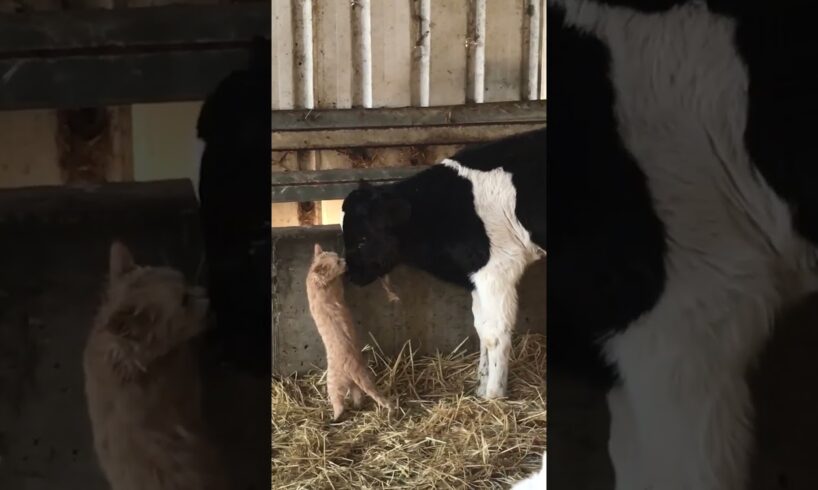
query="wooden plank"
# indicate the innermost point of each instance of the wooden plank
(543, 49)
(504, 50)
(85, 81)
(92, 57)
(476, 56)
(487, 113)
(367, 138)
(332, 25)
(332, 184)
(30, 153)
(421, 54)
(448, 53)
(131, 28)
(362, 53)
(103, 202)
(282, 53)
(531, 48)
(391, 54)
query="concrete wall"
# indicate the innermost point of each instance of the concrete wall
(434, 315)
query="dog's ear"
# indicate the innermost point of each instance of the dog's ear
(317, 250)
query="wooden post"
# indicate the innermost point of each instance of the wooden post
(422, 34)
(531, 51)
(361, 54)
(543, 52)
(304, 90)
(476, 44)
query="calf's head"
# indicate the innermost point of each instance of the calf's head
(373, 219)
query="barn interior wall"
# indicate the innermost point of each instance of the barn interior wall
(157, 143)
(392, 66)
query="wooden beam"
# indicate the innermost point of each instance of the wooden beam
(105, 202)
(74, 59)
(476, 114)
(60, 32)
(386, 137)
(332, 184)
(99, 81)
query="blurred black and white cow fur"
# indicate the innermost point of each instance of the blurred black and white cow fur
(683, 188)
(476, 219)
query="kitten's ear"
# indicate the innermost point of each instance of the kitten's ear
(317, 250)
(120, 260)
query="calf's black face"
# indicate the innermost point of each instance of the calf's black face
(372, 222)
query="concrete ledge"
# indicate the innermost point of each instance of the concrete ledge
(434, 315)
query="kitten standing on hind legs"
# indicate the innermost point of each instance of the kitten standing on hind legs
(142, 382)
(346, 369)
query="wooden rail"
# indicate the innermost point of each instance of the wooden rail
(70, 59)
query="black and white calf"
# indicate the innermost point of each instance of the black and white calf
(476, 219)
(683, 188)
(234, 191)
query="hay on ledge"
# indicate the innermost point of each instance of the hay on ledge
(440, 436)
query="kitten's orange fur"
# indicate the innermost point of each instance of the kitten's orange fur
(346, 369)
(142, 382)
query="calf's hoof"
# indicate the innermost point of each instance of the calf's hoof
(494, 394)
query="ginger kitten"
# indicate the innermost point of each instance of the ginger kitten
(346, 369)
(142, 381)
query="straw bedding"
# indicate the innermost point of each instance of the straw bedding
(440, 436)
